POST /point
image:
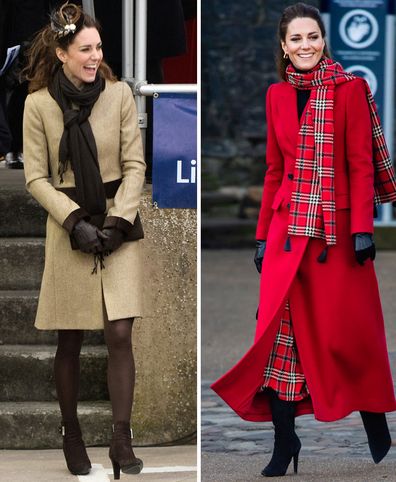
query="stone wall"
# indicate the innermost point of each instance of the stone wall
(166, 338)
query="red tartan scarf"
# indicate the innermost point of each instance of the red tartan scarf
(312, 209)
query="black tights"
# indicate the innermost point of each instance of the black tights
(67, 371)
(120, 369)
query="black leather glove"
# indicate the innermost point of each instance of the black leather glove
(364, 247)
(88, 237)
(259, 254)
(114, 238)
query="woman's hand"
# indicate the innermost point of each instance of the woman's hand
(259, 254)
(88, 237)
(364, 247)
(114, 238)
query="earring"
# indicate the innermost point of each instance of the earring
(285, 56)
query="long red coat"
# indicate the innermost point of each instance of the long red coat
(335, 306)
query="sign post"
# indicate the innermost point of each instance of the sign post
(362, 39)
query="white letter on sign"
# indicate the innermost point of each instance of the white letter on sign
(193, 171)
(179, 178)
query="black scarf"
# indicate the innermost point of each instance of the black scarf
(78, 143)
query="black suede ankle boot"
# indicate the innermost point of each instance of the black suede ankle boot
(287, 445)
(76, 456)
(121, 452)
(378, 435)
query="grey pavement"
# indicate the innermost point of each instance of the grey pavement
(236, 450)
(161, 464)
(238, 468)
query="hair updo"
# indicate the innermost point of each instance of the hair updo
(66, 22)
(42, 62)
(298, 10)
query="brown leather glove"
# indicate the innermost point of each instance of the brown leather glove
(88, 237)
(114, 238)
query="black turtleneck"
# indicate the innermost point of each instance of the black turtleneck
(302, 99)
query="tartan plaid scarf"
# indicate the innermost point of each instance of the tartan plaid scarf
(312, 209)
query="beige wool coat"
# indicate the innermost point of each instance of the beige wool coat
(71, 297)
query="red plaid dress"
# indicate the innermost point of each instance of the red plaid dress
(284, 372)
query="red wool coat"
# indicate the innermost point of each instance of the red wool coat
(335, 306)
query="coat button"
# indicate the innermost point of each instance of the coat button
(290, 176)
(288, 205)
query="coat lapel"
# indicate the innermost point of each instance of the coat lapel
(287, 118)
(288, 115)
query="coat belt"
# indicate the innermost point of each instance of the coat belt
(110, 187)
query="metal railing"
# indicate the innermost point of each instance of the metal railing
(387, 218)
(134, 57)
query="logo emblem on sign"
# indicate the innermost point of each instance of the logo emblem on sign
(358, 28)
(365, 73)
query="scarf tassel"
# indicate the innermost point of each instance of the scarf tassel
(98, 260)
(62, 169)
(287, 244)
(322, 258)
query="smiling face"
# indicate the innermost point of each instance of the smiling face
(82, 58)
(304, 43)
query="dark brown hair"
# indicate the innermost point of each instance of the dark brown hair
(298, 10)
(42, 61)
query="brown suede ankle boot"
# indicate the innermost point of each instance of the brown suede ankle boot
(76, 456)
(121, 452)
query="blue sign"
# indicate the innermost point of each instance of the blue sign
(357, 41)
(362, 39)
(175, 151)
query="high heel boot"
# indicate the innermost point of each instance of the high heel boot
(378, 435)
(121, 452)
(76, 456)
(287, 445)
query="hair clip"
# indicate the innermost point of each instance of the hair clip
(64, 22)
(63, 30)
(71, 27)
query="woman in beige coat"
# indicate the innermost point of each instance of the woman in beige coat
(84, 165)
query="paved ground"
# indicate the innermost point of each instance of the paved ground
(235, 450)
(174, 464)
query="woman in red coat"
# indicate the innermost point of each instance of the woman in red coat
(320, 342)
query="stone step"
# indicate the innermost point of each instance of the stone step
(26, 373)
(21, 263)
(20, 214)
(34, 425)
(17, 314)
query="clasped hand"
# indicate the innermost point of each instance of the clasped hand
(91, 239)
